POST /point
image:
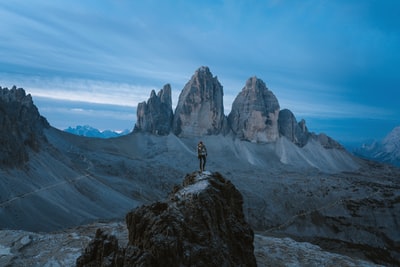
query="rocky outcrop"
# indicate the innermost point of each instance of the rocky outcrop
(288, 127)
(21, 127)
(326, 141)
(156, 115)
(200, 109)
(202, 224)
(254, 114)
(103, 250)
(299, 134)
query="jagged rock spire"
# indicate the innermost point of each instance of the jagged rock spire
(200, 109)
(21, 127)
(288, 127)
(156, 115)
(254, 113)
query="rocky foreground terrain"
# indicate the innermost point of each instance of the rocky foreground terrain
(307, 199)
(200, 224)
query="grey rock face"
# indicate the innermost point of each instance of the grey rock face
(254, 114)
(326, 141)
(298, 132)
(200, 109)
(288, 127)
(156, 115)
(103, 250)
(202, 224)
(21, 127)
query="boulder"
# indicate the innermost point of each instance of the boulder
(254, 114)
(200, 109)
(201, 224)
(155, 116)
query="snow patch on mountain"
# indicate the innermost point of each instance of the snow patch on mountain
(386, 150)
(391, 143)
(89, 131)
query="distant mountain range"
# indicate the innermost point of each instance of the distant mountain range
(386, 150)
(89, 131)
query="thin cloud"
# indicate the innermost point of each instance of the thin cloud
(327, 58)
(63, 114)
(90, 91)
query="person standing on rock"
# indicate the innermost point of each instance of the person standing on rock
(202, 155)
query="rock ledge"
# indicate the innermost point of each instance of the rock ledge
(201, 224)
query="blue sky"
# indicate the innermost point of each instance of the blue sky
(335, 64)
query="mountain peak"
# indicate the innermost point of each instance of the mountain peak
(200, 109)
(254, 114)
(386, 150)
(155, 115)
(165, 95)
(21, 126)
(203, 69)
(393, 137)
(391, 146)
(288, 127)
(254, 82)
(152, 94)
(89, 131)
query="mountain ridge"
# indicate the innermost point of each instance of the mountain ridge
(314, 191)
(89, 131)
(255, 115)
(21, 127)
(386, 150)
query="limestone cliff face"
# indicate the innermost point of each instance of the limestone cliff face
(200, 109)
(21, 127)
(202, 224)
(156, 115)
(288, 127)
(254, 114)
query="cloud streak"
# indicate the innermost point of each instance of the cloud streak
(321, 58)
(90, 91)
(62, 114)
